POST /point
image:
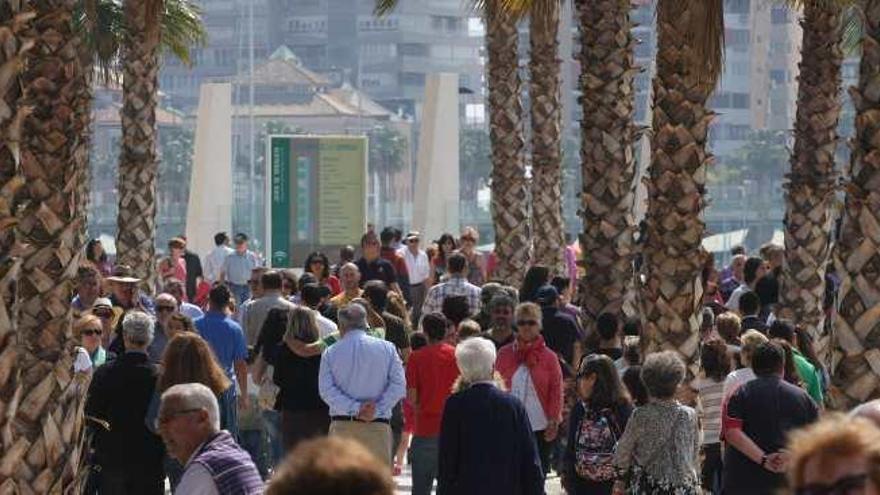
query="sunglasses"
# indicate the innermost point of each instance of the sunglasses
(527, 323)
(89, 332)
(103, 314)
(165, 308)
(842, 486)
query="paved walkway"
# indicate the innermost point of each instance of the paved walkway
(404, 483)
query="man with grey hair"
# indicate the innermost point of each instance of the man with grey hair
(473, 444)
(166, 305)
(361, 378)
(129, 455)
(189, 422)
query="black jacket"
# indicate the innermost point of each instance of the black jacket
(120, 394)
(487, 446)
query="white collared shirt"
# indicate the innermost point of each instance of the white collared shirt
(213, 263)
(417, 265)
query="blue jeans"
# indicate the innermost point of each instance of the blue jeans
(252, 442)
(272, 424)
(423, 454)
(241, 292)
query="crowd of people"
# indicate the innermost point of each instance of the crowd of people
(239, 379)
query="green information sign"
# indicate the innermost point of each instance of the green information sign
(318, 190)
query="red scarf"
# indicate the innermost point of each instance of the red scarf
(529, 353)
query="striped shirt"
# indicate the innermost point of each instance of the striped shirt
(710, 393)
(455, 286)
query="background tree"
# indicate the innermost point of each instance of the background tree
(144, 30)
(474, 161)
(690, 37)
(176, 146)
(608, 136)
(387, 157)
(809, 195)
(546, 136)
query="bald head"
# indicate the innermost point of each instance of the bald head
(350, 276)
(868, 410)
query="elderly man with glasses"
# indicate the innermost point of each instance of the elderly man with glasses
(189, 422)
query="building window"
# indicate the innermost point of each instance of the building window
(777, 76)
(779, 15)
(413, 49)
(412, 78)
(736, 6)
(737, 39)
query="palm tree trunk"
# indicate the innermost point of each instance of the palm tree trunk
(608, 136)
(138, 165)
(856, 371)
(809, 194)
(14, 18)
(510, 195)
(42, 452)
(546, 113)
(673, 255)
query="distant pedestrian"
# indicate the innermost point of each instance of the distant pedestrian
(456, 285)
(372, 266)
(318, 265)
(237, 267)
(419, 268)
(213, 264)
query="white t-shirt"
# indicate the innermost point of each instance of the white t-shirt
(325, 325)
(735, 380)
(522, 387)
(196, 480)
(733, 303)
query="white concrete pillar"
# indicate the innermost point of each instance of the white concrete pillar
(210, 192)
(435, 205)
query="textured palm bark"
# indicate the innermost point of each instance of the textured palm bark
(856, 357)
(810, 190)
(673, 256)
(14, 21)
(510, 195)
(608, 135)
(546, 137)
(43, 445)
(138, 164)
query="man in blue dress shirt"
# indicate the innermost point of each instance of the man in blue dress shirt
(361, 379)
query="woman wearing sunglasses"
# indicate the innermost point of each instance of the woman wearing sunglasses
(532, 373)
(318, 265)
(88, 330)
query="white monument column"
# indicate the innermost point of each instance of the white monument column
(435, 205)
(210, 192)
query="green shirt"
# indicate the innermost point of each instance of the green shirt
(333, 338)
(810, 377)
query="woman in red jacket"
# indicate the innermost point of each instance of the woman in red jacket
(532, 373)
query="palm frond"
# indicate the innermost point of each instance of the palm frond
(523, 8)
(852, 25)
(101, 26)
(384, 7)
(182, 28)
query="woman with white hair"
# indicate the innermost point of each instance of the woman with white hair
(486, 443)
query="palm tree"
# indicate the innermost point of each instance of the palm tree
(147, 22)
(510, 191)
(546, 137)
(38, 357)
(607, 163)
(856, 372)
(810, 190)
(689, 53)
